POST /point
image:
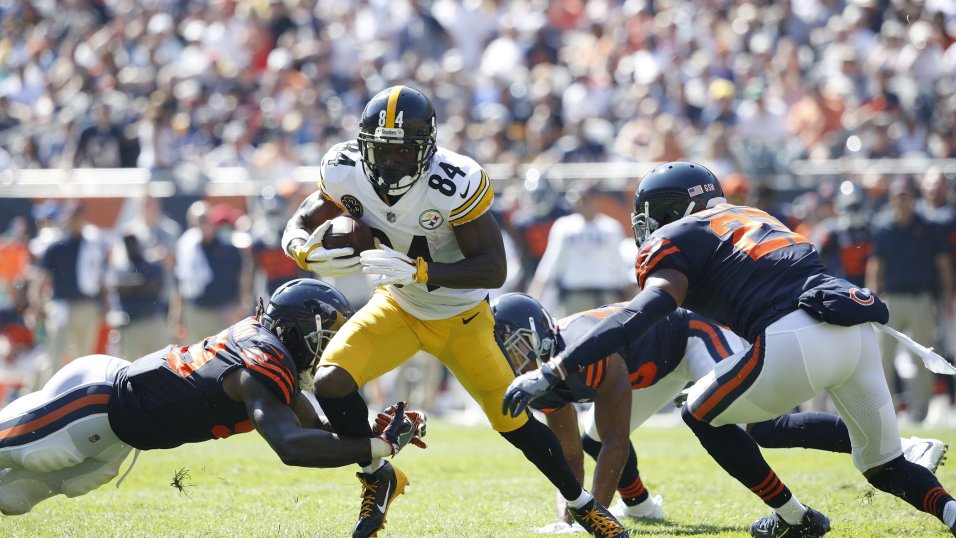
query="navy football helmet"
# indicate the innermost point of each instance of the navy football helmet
(397, 138)
(305, 314)
(524, 330)
(670, 192)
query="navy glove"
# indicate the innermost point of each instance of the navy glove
(418, 419)
(528, 387)
(400, 431)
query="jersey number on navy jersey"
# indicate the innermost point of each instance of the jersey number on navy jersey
(753, 231)
(198, 354)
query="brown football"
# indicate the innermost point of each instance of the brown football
(348, 231)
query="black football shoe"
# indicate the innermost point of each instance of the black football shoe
(379, 489)
(812, 525)
(598, 521)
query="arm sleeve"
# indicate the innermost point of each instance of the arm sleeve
(630, 323)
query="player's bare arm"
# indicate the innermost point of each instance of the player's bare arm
(308, 417)
(484, 265)
(612, 416)
(671, 281)
(280, 427)
(312, 213)
(304, 235)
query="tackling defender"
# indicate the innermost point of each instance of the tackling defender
(441, 250)
(72, 435)
(634, 382)
(810, 331)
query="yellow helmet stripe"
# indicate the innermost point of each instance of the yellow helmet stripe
(392, 105)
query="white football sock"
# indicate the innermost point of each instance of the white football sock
(582, 499)
(949, 513)
(374, 466)
(792, 511)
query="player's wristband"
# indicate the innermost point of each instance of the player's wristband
(289, 235)
(421, 271)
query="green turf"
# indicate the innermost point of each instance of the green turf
(469, 482)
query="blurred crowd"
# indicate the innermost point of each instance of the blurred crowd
(184, 87)
(747, 85)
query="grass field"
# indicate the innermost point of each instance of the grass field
(468, 483)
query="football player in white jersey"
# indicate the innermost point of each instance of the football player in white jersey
(440, 251)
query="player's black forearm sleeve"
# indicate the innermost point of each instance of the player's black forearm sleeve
(630, 323)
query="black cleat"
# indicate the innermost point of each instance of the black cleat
(812, 525)
(598, 521)
(379, 489)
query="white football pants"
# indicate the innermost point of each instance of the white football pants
(58, 439)
(796, 358)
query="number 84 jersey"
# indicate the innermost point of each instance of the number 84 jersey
(455, 190)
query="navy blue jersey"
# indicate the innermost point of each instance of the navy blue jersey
(908, 253)
(744, 268)
(61, 259)
(845, 249)
(175, 395)
(648, 359)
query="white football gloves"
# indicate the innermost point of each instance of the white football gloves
(312, 256)
(393, 267)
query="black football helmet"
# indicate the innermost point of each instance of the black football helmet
(397, 137)
(524, 330)
(670, 192)
(305, 314)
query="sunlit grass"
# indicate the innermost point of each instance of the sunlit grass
(469, 482)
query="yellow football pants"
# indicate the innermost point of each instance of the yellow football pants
(381, 336)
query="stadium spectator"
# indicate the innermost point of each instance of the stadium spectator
(101, 144)
(909, 267)
(582, 262)
(844, 241)
(67, 295)
(136, 285)
(183, 74)
(210, 274)
(937, 205)
(269, 260)
(539, 206)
